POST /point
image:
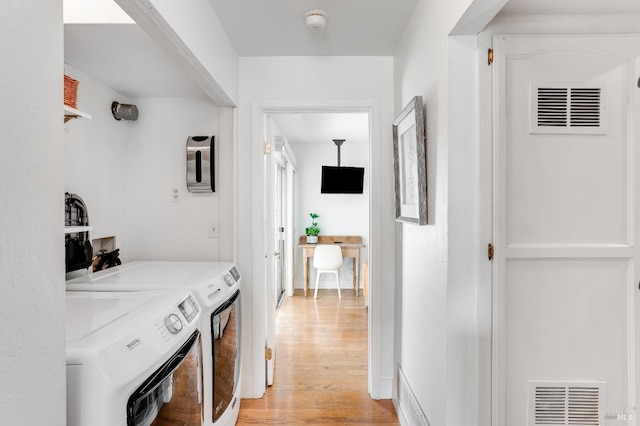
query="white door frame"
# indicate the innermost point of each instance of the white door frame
(288, 159)
(261, 314)
(290, 242)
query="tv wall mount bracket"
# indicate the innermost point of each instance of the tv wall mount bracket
(338, 143)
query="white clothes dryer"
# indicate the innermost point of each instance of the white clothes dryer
(133, 359)
(216, 286)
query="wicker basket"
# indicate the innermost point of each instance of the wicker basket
(70, 92)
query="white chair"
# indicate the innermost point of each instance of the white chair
(327, 258)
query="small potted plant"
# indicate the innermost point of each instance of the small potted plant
(313, 230)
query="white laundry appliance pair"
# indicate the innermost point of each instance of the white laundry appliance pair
(215, 289)
(133, 358)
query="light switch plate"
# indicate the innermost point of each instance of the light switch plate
(175, 195)
(213, 230)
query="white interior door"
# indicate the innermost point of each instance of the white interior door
(566, 228)
(290, 232)
(271, 255)
(280, 180)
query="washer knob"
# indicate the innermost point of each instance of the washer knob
(228, 279)
(173, 323)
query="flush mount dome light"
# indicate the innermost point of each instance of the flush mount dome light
(316, 19)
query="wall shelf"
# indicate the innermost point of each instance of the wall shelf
(74, 229)
(70, 113)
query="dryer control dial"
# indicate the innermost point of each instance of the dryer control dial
(228, 279)
(173, 323)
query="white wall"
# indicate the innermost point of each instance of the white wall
(436, 322)
(469, 232)
(125, 171)
(32, 215)
(159, 228)
(296, 80)
(94, 158)
(340, 214)
(420, 69)
(445, 276)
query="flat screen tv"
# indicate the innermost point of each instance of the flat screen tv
(342, 180)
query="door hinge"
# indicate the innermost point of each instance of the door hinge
(267, 148)
(490, 251)
(489, 56)
(268, 354)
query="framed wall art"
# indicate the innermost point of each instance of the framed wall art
(410, 164)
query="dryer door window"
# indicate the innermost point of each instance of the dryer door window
(226, 354)
(172, 395)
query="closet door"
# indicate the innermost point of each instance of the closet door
(566, 229)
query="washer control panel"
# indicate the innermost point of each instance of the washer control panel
(173, 323)
(234, 271)
(232, 277)
(189, 308)
(157, 326)
(228, 279)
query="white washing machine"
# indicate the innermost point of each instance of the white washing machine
(133, 358)
(216, 286)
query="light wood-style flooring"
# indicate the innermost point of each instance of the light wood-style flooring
(320, 366)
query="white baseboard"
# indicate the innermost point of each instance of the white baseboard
(407, 406)
(386, 388)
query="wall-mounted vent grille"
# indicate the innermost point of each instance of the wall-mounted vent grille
(585, 107)
(567, 109)
(552, 107)
(408, 405)
(566, 403)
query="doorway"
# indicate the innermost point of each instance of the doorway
(376, 386)
(307, 140)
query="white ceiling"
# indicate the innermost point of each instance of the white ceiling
(123, 57)
(277, 27)
(322, 128)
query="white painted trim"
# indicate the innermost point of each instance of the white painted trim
(153, 23)
(379, 388)
(631, 342)
(627, 46)
(633, 315)
(234, 183)
(477, 16)
(386, 387)
(485, 227)
(288, 161)
(498, 346)
(556, 251)
(258, 385)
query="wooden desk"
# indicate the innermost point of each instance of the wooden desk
(350, 245)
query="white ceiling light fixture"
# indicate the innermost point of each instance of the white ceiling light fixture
(316, 19)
